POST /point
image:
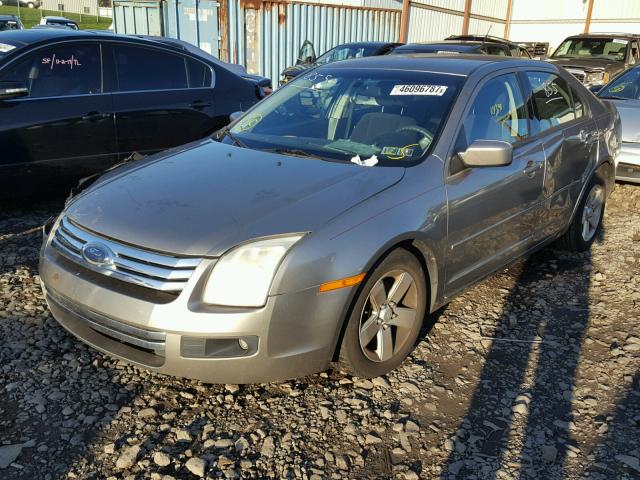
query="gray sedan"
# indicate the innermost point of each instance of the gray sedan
(330, 219)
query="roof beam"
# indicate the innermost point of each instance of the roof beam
(587, 23)
(467, 15)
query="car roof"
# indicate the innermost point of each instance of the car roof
(462, 43)
(454, 64)
(8, 17)
(64, 19)
(604, 34)
(36, 36)
(366, 44)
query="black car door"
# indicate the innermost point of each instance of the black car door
(63, 129)
(161, 98)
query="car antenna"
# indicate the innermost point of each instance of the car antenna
(487, 35)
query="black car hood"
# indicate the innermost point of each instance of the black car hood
(589, 65)
(204, 199)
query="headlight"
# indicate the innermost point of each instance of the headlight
(243, 276)
(596, 78)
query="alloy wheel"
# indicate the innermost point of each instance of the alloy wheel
(592, 212)
(388, 316)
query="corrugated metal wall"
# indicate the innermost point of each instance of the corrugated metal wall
(138, 17)
(431, 20)
(267, 40)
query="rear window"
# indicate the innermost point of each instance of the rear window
(9, 25)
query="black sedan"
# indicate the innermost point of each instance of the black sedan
(74, 103)
(464, 46)
(307, 57)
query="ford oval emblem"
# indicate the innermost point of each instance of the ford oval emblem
(97, 254)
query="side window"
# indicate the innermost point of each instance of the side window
(64, 70)
(551, 98)
(141, 68)
(578, 105)
(497, 113)
(199, 74)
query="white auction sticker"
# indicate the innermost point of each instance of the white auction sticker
(437, 90)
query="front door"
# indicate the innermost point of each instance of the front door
(162, 99)
(494, 212)
(64, 129)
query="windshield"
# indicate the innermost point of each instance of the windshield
(626, 86)
(9, 25)
(388, 117)
(345, 52)
(607, 48)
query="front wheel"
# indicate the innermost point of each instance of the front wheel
(588, 219)
(386, 318)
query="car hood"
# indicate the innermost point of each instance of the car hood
(630, 117)
(205, 199)
(589, 65)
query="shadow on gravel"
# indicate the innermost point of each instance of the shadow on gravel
(624, 425)
(528, 376)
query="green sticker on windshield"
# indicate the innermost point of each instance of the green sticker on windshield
(249, 122)
(397, 153)
(619, 88)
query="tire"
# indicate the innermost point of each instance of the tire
(388, 329)
(579, 237)
(31, 5)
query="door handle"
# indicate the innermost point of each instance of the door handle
(531, 168)
(95, 116)
(200, 104)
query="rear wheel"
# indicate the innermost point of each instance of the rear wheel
(386, 318)
(588, 219)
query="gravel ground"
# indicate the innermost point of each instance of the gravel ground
(534, 373)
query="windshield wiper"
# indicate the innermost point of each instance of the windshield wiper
(226, 132)
(294, 152)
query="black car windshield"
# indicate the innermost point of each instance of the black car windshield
(345, 52)
(626, 86)
(9, 25)
(607, 48)
(382, 117)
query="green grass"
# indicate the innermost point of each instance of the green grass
(31, 17)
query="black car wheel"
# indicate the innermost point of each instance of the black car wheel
(386, 318)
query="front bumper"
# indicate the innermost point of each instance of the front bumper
(293, 335)
(628, 163)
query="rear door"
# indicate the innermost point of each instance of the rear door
(161, 99)
(494, 212)
(64, 129)
(570, 140)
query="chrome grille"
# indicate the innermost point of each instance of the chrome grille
(579, 74)
(130, 264)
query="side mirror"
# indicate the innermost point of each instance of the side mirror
(235, 116)
(9, 90)
(487, 153)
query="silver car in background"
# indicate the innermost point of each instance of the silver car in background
(331, 218)
(624, 93)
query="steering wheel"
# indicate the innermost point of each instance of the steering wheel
(427, 136)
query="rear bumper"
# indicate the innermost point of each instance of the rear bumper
(628, 163)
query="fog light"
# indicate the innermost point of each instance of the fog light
(243, 344)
